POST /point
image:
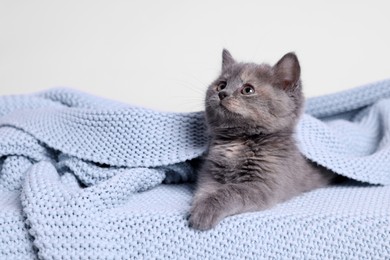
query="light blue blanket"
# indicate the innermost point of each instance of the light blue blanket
(82, 177)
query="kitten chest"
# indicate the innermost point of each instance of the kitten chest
(232, 161)
(244, 160)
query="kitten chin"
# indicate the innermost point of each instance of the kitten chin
(252, 162)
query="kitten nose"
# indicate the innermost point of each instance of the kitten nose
(222, 95)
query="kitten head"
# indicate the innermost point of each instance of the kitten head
(254, 98)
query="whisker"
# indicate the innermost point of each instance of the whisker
(189, 86)
(193, 103)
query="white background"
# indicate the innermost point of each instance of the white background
(163, 54)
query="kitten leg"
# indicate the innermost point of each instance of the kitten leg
(210, 208)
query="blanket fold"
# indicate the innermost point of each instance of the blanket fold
(82, 177)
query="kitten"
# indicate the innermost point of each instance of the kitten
(252, 162)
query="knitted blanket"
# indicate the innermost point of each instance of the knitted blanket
(82, 177)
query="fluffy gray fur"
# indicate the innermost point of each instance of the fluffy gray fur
(252, 162)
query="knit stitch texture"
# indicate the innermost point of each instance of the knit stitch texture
(82, 177)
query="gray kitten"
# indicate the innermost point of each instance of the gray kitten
(252, 162)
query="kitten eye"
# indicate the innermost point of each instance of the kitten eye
(247, 89)
(221, 85)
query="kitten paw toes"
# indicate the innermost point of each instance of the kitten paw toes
(203, 216)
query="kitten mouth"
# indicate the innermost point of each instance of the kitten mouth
(225, 108)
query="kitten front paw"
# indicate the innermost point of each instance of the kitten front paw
(205, 215)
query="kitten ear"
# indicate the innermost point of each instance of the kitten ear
(227, 59)
(287, 72)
